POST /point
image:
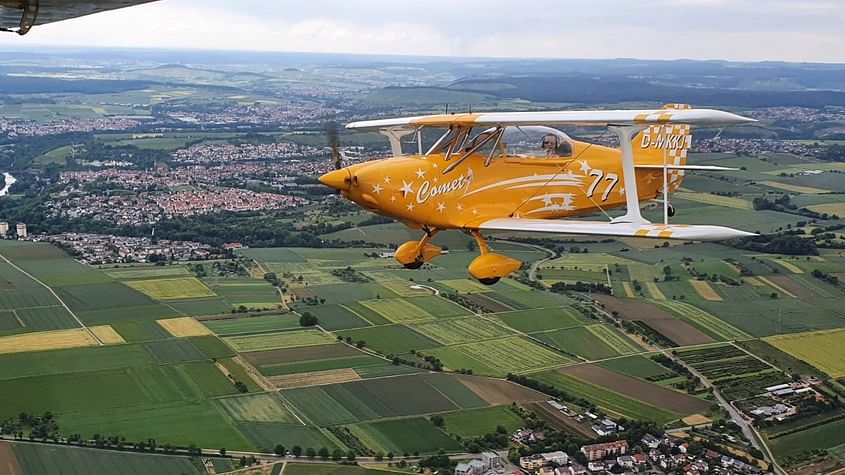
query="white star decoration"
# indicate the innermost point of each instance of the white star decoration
(406, 188)
(441, 207)
(460, 207)
(585, 167)
(474, 212)
(377, 188)
(621, 190)
(434, 165)
(420, 173)
(547, 200)
(393, 198)
(410, 206)
(434, 180)
(387, 179)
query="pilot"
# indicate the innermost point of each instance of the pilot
(554, 147)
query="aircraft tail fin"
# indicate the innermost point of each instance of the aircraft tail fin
(670, 140)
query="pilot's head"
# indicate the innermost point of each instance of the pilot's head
(550, 143)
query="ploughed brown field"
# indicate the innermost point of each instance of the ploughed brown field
(792, 287)
(287, 355)
(656, 318)
(8, 462)
(499, 391)
(488, 303)
(631, 309)
(634, 388)
(560, 420)
(679, 331)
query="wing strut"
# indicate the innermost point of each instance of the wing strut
(629, 176)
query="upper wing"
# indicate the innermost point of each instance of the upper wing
(603, 228)
(575, 118)
(21, 15)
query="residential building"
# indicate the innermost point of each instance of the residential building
(4, 228)
(600, 451)
(21, 230)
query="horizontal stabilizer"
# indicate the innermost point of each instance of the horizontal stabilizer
(701, 168)
(604, 228)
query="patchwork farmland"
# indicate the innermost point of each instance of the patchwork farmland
(227, 357)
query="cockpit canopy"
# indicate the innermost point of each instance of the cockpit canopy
(511, 141)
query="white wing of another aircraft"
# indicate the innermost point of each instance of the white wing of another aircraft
(20, 15)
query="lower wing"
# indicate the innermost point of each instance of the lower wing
(603, 228)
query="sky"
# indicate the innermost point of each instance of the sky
(741, 30)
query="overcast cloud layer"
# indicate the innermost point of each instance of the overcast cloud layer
(745, 30)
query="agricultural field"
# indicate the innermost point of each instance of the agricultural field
(461, 330)
(609, 400)
(247, 325)
(404, 435)
(33, 459)
(822, 350)
(477, 422)
(530, 321)
(508, 355)
(284, 339)
(172, 288)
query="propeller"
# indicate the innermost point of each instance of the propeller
(330, 128)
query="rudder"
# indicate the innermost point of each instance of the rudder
(673, 140)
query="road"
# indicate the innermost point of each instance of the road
(532, 271)
(747, 430)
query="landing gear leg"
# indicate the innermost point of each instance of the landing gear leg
(488, 268)
(413, 254)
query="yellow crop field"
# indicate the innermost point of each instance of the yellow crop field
(829, 208)
(789, 266)
(705, 291)
(796, 188)
(106, 334)
(172, 288)
(629, 292)
(656, 294)
(776, 287)
(184, 326)
(707, 198)
(822, 349)
(41, 341)
(315, 378)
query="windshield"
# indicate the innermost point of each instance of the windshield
(536, 141)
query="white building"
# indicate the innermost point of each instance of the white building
(4, 228)
(21, 230)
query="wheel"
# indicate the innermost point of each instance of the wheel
(670, 211)
(414, 265)
(489, 280)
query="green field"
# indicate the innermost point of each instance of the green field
(390, 339)
(397, 310)
(637, 366)
(37, 458)
(510, 355)
(265, 435)
(553, 318)
(461, 330)
(337, 317)
(609, 400)
(614, 338)
(285, 339)
(578, 341)
(166, 423)
(262, 407)
(827, 435)
(362, 360)
(261, 324)
(404, 435)
(46, 318)
(477, 422)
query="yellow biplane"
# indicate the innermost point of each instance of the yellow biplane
(513, 171)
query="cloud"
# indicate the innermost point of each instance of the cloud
(660, 29)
